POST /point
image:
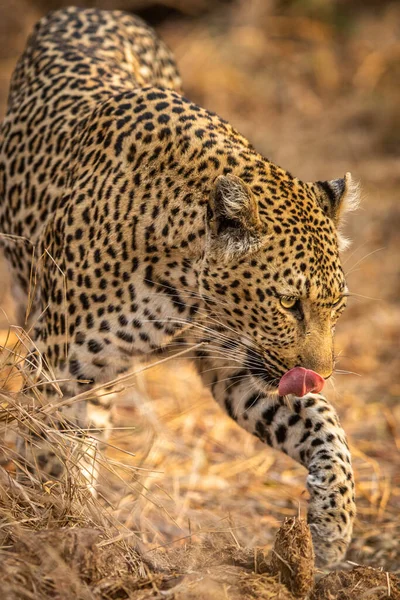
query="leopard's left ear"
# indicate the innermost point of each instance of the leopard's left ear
(234, 205)
(233, 221)
(338, 196)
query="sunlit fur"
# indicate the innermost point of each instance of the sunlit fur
(138, 223)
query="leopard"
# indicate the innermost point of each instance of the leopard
(138, 224)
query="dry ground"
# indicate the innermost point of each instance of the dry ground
(315, 85)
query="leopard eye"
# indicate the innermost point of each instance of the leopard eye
(337, 301)
(288, 301)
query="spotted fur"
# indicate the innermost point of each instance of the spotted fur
(145, 223)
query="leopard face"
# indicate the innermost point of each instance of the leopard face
(271, 274)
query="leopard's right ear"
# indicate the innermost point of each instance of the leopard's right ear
(337, 197)
(233, 219)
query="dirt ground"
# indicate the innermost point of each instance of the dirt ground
(315, 85)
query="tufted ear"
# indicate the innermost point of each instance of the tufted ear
(338, 196)
(234, 221)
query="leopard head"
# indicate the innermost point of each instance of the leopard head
(271, 275)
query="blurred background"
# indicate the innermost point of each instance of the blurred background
(315, 86)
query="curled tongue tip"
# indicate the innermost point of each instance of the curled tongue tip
(300, 381)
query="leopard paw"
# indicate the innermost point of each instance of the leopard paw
(331, 514)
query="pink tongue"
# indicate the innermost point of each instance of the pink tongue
(299, 381)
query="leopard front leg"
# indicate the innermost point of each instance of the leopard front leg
(66, 440)
(308, 430)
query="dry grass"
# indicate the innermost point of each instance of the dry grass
(184, 491)
(152, 534)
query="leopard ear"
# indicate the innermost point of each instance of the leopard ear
(337, 197)
(233, 217)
